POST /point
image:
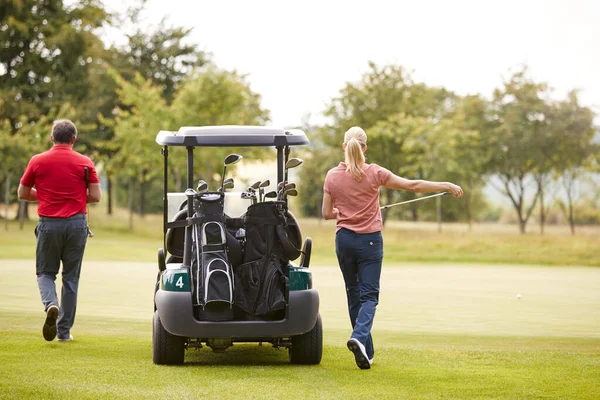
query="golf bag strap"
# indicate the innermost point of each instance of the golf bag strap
(189, 222)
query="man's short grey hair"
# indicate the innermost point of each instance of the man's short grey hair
(63, 131)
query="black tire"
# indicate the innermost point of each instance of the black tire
(166, 348)
(308, 347)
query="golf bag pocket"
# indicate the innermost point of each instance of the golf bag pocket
(218, 283)
(246, 291)
(214, 286)
(260, 288)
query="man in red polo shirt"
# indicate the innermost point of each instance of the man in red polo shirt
(62, 192)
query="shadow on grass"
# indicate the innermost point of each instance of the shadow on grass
(238, 354)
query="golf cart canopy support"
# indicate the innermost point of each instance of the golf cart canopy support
(232, 135)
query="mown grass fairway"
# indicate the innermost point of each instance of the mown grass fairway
(442, 331)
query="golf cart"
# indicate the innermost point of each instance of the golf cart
(226, 272)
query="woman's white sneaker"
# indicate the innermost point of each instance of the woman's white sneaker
(360, 354)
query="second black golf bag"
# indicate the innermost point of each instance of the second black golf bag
(211, 270)
(272, 239)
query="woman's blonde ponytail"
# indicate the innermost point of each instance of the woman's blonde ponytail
(355, 139)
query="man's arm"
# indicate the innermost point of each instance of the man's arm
(27, 193)
(94, 193)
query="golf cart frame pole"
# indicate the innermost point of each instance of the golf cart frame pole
(280, 163)
(165, 153)
(413, 200)
(287, 156)
(187, 247)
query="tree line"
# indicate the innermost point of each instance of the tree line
(55, 64)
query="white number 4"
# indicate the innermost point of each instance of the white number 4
(179, 282)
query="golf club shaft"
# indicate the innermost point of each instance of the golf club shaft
(413, 200)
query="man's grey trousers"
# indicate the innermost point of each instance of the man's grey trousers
(60, 239)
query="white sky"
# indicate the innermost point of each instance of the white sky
(298, 55)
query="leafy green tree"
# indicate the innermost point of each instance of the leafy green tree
(519, 111)
(138, 157)
(574, 147)
(212, 97)
(161, 54)
(43, 61)
(217, 97)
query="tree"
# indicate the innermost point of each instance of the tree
(217, 97)
(161, 55)
(519, 112)
(212, 97)
(139, 156)
(574, 147)
(43, 61)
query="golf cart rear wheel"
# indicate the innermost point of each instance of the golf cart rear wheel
(308, 347)
(166, 348)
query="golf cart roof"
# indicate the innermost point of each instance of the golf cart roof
(232, 135)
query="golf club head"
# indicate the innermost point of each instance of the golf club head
(290, 185)
(293, 163)
(232, 159)
(291, 192)
(202, 186)
(229, 160)
(271, 195)
(264, 183)
(228, 184)
(255, 185)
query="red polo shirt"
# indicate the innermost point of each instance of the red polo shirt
(59, 178)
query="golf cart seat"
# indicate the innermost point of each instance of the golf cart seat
(175, 238)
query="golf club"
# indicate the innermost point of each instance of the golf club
(413, 200)
(202, 186)
(261, 188)
(250, 196)
(291, 163)
(228, 184)
(229, 160)
(271, 195)
(283, 188)
(290, 185)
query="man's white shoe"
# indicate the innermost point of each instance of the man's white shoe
(360, 354)
(66, 339)
(371, 361)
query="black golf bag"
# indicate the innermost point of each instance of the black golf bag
(272, 239)
(212, 274)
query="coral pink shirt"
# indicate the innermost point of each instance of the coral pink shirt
(357, 202)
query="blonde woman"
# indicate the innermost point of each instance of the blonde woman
(351, 197)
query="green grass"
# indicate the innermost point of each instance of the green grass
(442, 332)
